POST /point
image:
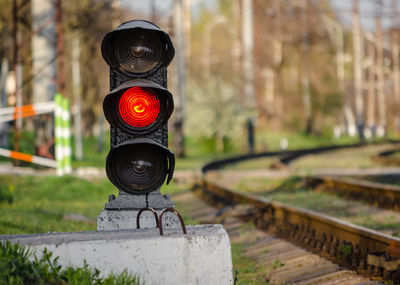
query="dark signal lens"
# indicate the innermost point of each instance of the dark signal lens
(138, 52)
(139, 107)
(140, 168)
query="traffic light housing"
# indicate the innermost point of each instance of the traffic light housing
(138, 108)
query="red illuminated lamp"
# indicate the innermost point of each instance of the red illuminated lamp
(139, 107)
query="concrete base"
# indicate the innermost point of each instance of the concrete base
(110, 220)
(203, 256)
(126, 201)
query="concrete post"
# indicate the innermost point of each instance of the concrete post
(44, 67)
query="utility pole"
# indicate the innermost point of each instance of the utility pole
(44, 67)
(277, 44)
(153, 11)
(371, 89)
(347, 111)
(4, 141)
(15, 69)
(248, 52)
(116, 21)
(76, 79)
(181, 82)
(116, 13)
(236, 47)
(18, 94)
(188, 27)
(305, 80)
(60, 49)
(381, 129)
(395, 63)
(357, 71)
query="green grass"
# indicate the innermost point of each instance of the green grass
(43, 204)
(94, 155)
(359, 158)
(258, 163)
(391, 179)
(270, 140)
(18, 265)
(395, 155)
(262, 184)
(245, 269)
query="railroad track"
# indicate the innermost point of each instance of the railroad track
(284, 157)
(385, 158)
(278, 261)
(368, 252)
(382, 195)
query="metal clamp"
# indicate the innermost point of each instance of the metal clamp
(177, 214)
(147, 209)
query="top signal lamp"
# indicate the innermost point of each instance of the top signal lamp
(139, 52)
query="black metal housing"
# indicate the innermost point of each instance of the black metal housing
(108, 45)
(124, 137)
(166, 156)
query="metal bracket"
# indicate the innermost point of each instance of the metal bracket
(147, 209)
(177, 214)
(159, 219)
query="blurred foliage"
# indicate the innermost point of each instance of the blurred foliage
(220, 119)
(291, 41)
(87, 20)
(279, 65)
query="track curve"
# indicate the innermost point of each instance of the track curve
(359, 248)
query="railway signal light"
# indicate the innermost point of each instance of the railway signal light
(138, 108)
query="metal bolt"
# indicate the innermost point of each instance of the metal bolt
(111, 198)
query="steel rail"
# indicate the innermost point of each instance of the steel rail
(383, 195)
(285, 157)
(359, 248)
(365, 250)
(384, 157)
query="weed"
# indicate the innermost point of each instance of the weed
(277, 263)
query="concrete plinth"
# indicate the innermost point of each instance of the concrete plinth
(110, 220)
(203, 256)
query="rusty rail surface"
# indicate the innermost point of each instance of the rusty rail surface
(369, 252)
(383, 195)
(365, 250)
